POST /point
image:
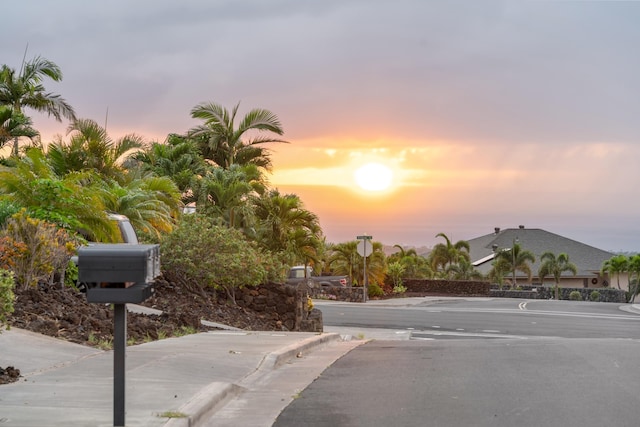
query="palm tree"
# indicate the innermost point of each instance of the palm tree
(341, 259)
(634, 269)
(14, 125)
(25, 90)
(177, 158)
(90, 148)
(227, 194)
(498, 273)
(305, 245)
(344, 259)
(463, 270)
(445, 254)
(555, 266)
(151, 203)
(616, 265)
(515, 259)
(279, 216)
(226, 145)
(73, 202)
(413, 265)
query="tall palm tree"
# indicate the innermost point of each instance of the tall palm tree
(14, 125)
(634, 269)
(513, 260)
(555, 266)
(616, 265)
(224, 144)
(24, 89)
(445, 254)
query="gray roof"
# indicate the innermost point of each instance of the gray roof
(587, 259)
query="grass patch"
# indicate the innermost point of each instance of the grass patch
(184, 330)
(172, 414)
(102, 344)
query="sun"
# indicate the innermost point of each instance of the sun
(373, 177)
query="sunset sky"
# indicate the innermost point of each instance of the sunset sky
(487, 113)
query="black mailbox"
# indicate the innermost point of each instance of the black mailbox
(119, 273)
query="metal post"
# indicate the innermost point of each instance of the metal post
(119, 347)
(365, 287)
(513, 257)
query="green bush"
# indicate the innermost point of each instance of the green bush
(6, 295)
(399, 289)
(594, 296)
(395, 272)
(200, 253)
(374, 290)
(71, 274)
(7, 209)
(575, 296)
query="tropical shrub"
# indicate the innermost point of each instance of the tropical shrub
(41, 250)
(7, 209)
(374, 290)
(575, 296)
(200, 253)
(6, 295)
(395, 272)
(71, 274)
(399, 289)
(594, 296)
(10, 251)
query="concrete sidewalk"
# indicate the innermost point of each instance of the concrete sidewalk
(66, 384)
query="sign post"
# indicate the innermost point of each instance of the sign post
(362, 250)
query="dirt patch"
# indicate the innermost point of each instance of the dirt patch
(66, 314)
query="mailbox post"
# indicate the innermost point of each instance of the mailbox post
(118, 274)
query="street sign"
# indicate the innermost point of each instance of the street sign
(364, 248)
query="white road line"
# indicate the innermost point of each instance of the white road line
(419, 335)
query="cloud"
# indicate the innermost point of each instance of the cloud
(491, 109)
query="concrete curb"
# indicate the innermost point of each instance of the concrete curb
(631, 308)
(209, 399)
(275, 359)
(204, 404)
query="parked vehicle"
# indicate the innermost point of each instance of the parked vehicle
(127, 235)
(299, 274)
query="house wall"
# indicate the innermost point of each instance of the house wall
(622, 278)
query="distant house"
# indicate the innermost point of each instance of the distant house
(587, 259)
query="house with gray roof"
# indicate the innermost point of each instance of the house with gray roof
(587, 259)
